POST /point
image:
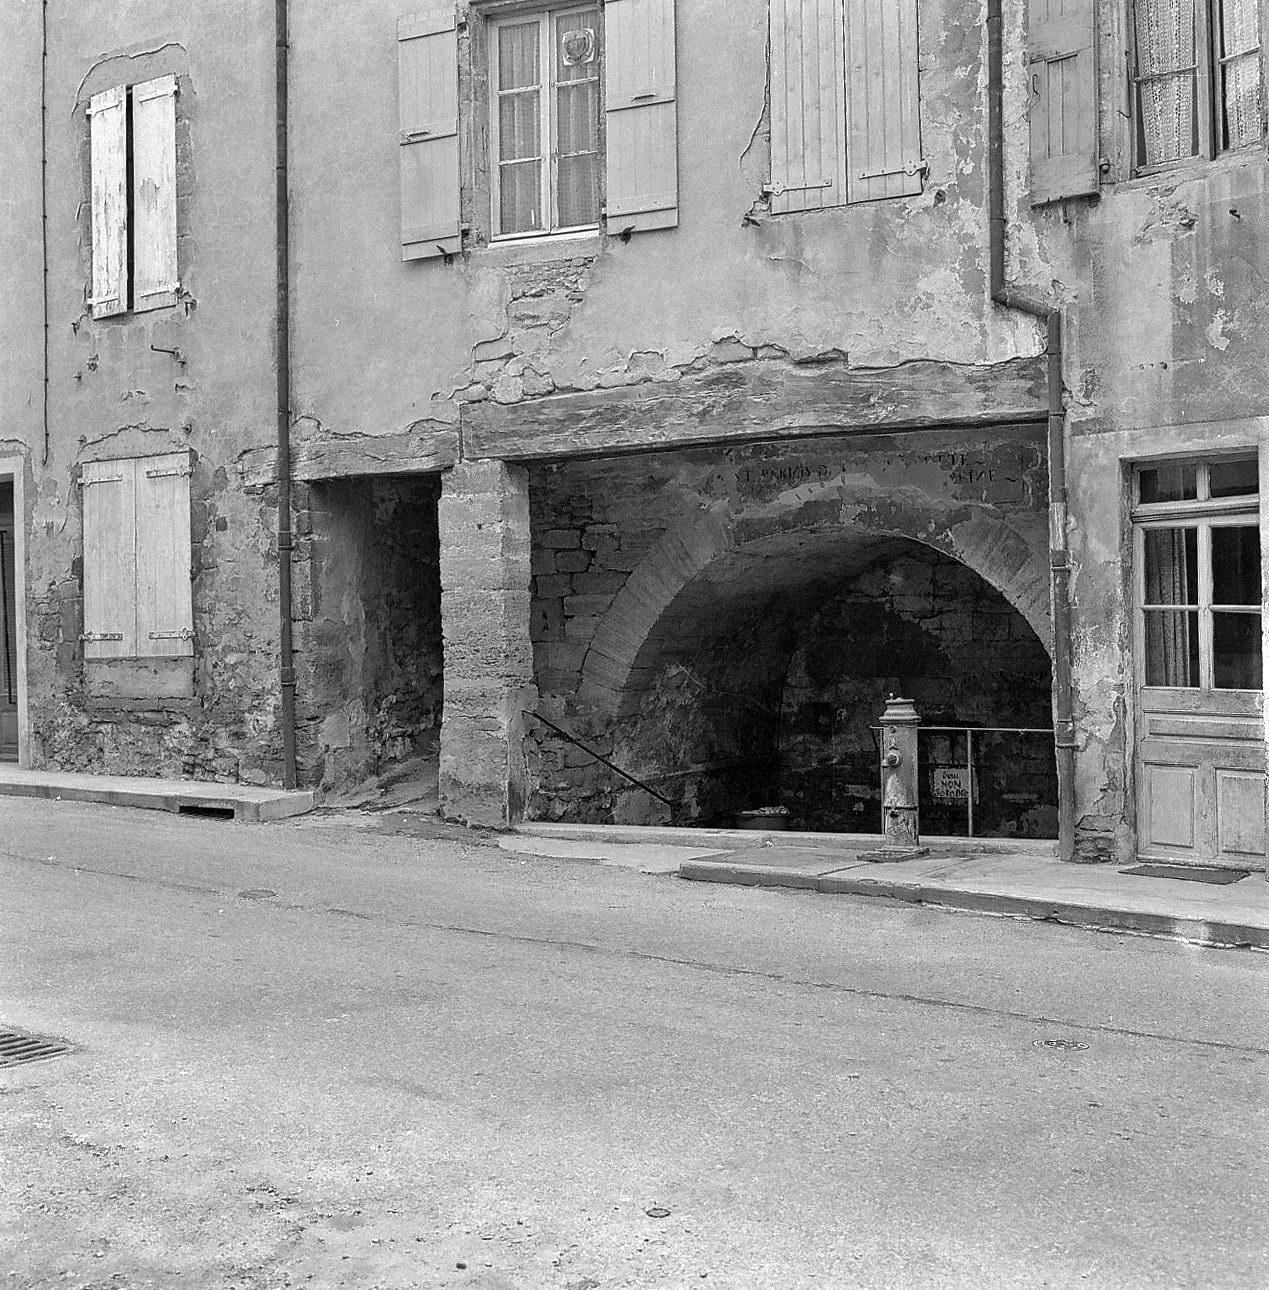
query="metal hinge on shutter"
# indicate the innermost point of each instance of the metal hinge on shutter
(93, 637)
(165, 471)
(185, 634)
(921, 167)
(103, 479)
(778, 190)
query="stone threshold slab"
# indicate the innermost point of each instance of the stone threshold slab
(1098, 898)
(843, 845)
(250, 804)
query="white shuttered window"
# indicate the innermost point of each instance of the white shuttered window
(137, 590)
(133, 225)
(1062, 68)
(427, 103)
(108, 141)
(845, 105)
(154, 273)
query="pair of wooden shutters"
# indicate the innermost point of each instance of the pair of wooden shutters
(641, 118)
(137, 592)
(845, 110)
(140, 219)
(1062, 102)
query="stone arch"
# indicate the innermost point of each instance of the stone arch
(1009, 560)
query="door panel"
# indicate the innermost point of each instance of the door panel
(1240, 813)
(1170, 805)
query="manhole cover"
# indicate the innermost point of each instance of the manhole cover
(1062, 1045)
(17, 1047)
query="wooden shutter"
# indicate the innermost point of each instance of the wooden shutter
(808, 105)
(427, 90)
(1062, 72)
(110, 561)
(883, 121)
(165, 621)
(108, 144)
(154, 272)
(641, 116)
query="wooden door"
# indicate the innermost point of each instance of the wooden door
(1200, 756)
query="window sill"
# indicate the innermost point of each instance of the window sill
(152, 680)
(546, 249)
(1191, 170)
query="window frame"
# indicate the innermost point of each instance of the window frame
(1202, 513)
(546, 16)
(1208, 94)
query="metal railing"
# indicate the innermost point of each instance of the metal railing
(969, 732)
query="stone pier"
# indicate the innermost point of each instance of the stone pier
(484, 532)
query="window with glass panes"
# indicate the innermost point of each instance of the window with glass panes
(1197, 79)
(1197, 539)
(544, 128)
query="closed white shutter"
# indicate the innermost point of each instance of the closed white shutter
(110, 559)
(808, 105)
(1062, 73)
(165, 615)
(427, 90)
(108, 144)
(154, 271)
(883, 122)
(641, 116)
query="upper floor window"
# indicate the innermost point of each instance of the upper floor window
(544, 121)
(132, 139)
(576, 129)
(1197, 79)
(845, 122)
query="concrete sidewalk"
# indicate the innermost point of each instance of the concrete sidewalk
(248, 803)
(1018, 879)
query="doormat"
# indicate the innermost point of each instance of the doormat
(1188, 873)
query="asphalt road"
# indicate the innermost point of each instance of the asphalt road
(424, 1062)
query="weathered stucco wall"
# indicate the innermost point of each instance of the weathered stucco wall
(196, 376)
(387, 349)
(21, 297)
(1167, 328)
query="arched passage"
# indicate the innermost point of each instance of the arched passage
(812, 543)
(759, 684)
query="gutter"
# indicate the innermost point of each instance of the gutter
(1051, 317)
(286, 670)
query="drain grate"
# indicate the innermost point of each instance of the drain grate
(17, 1048)
(1188, 873)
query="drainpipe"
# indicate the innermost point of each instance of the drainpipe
(286, 675)
(44, 211)
(1059, 559)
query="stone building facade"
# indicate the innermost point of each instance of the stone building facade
(654, 378)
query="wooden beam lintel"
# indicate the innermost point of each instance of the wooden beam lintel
(755, 402)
